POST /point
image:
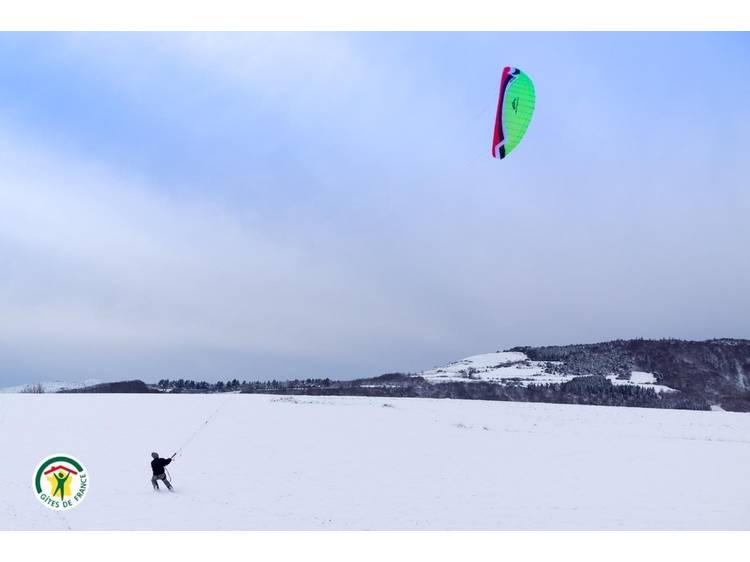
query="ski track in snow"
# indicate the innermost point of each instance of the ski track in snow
(302, 462)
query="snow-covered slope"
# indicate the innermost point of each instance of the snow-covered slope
(51, 386)
(265, 462)
(495, 367)
(515, 367)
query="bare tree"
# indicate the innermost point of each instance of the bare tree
(35, 388)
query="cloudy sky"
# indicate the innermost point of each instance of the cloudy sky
(291, 205)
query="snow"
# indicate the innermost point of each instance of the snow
(498, 366)
(298, 462)
(639, 377)
(512, 366)
(51, 386)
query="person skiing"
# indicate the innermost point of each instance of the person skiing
(157, 467)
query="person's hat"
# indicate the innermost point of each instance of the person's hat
(155, 455)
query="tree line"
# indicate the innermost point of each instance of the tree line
(592, 390)
(233, 385)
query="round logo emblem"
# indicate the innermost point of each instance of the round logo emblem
(61, 482)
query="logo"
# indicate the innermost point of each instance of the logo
(61, 482)
(514, 104)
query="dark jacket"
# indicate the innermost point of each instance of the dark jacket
(157, 465)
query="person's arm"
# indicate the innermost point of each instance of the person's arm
(167, 461)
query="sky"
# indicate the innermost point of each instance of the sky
(260, 206)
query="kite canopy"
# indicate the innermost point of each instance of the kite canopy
(515, 106)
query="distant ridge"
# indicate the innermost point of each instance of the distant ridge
(714, 369)
(122, 387)
(664, 373)
(48, 386)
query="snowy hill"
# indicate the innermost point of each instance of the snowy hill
(50, 386)
(303, 462)
(516, 367)
(717, 370)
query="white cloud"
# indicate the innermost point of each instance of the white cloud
(97, 259)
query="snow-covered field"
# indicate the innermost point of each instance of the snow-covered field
(513, 366)
(265, 462)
